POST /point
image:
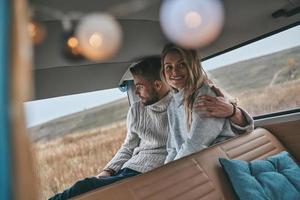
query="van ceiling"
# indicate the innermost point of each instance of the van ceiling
(55, 75)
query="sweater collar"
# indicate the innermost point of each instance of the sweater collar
(178, 97)
(162, 104)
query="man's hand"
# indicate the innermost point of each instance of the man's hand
(218, 107)
(214, 106)
(103, 174)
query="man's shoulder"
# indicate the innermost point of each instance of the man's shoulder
(137, 106)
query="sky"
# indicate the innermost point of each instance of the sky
(37, 112)
(40, 111)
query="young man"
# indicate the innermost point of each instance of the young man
(144, 148)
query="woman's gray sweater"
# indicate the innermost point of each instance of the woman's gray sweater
(204, 131)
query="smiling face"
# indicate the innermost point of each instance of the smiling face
(175, 70)
(146, 90)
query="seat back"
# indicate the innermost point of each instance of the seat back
(198, 176)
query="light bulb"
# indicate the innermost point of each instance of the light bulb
(72, 42)
(96, 40)
(73, 46)
(36, 32)
(99, 36)
(192, 19)
(192, 23)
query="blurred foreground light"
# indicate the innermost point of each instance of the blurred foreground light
(192, 23)
(37, 32)
(73, 45)
(99, 36)
(72, 42)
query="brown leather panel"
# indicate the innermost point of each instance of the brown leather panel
(289, 135)
(116, 191)
(172, 181)
(241, 140)
(194, 193)
(198, 176)
(260, 145)
(249, 147)
(163, 174)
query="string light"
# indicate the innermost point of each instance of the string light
(192, 23)
(73, 45)
(95, 36)
(72, 42)
(99, 36)
(96, 40)
(193, 19)
(36, 32)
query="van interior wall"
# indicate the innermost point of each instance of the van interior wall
(288, 133)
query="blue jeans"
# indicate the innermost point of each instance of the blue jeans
(91, 183)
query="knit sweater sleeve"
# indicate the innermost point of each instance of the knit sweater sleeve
(203, 132)
(131, 142)
(243, 129)
(170, 144)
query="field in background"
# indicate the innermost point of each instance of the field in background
(62, 157)
(271, 99)
(62, 161)
(82, 121)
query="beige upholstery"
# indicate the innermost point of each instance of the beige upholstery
(198, 176)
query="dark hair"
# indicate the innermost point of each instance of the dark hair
(148, 68)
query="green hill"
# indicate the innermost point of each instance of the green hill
(81, 121)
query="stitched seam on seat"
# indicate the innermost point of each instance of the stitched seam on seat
(202, 196)
(264, 155)
(252, 149)
(240, 144)
(192, 188)
(208, 180)
(166, 176)
(132, 192)
(172, 185)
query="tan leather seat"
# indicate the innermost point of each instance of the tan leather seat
(198, 176)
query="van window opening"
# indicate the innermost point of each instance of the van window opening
(264, 76)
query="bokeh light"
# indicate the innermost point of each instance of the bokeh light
(37, 32)
(99, 36)
(192, 23)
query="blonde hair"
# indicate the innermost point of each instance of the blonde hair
(196, 76)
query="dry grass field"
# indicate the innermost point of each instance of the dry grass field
(271, 99)
(62, 161)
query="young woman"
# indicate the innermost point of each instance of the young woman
(189, 130)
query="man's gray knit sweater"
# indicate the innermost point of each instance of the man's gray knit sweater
(145, 145)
